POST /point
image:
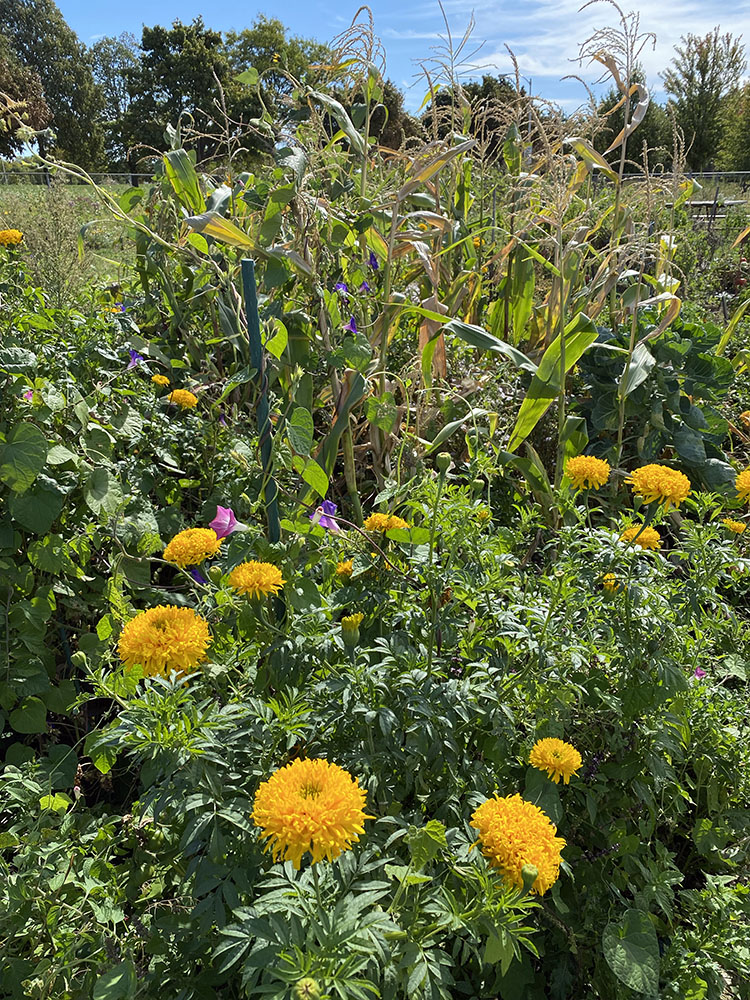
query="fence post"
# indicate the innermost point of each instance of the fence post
(261, 381)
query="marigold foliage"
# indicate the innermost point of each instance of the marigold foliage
(742, 485)
(191, 547)
(161, 380)
(558, 758)
(514, 833)
(659, 482)
(648, 538)
(183, 398)
(10, 237)
(310, 805)
(256, 578)
(586, 472)
(163, 639)
(736, 527)
(345, 568)
(384, 522)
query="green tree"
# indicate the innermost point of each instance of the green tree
(266, 48)
(22, 101)
(41, 40)
(703, 71)
(734, 153)
(112, 59)
(178, 74)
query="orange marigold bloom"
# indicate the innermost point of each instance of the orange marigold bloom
(742, 485)
(310, 805)
(10, 237)
(160, 380)
(610, 583)
(191, 547)
(256, 578)
(558, 758)
(646, 538)
(586, 472)
(514, 833)
(183, 398)
(736, 527)
(163, 639)
(660, 483)
(345, 569)
(384, 522)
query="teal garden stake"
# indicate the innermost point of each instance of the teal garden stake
(257, 361)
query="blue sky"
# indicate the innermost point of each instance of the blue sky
(544, 34)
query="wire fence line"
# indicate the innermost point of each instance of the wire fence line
(45, 177)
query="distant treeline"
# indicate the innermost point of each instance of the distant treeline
(107, 106)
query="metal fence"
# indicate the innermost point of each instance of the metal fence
(45, 177)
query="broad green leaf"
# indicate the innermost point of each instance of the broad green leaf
(477, 336)
(120, 983)
(301, 430)
(631, 949)
(30, 716)
(249, 77)
(337, 110)
(22, 457)
(426, 842)
(592, 159)
(216, 226)
(315, 476)
(635, 373)
(575, 437)
(352, 391)
(38, 508)
(276, 344)
(544, 793)
(57, 802)
(184, 180)
(579, 334)
(102, 492)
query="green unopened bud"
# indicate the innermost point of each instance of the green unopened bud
(529, 874)
(79, 660)
(214, 574)
(477, 486)
(306, 989)
(350, 629)
(443, 461)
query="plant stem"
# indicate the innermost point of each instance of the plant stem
(434, 598)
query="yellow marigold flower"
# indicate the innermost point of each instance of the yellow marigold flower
(745, 418)
(610, 583)
(10, 237)
(384, 522)
(160, 379)
(558, 758)
(742, 485)
(648, 538)
(736, 527)
(514, 833)
(660, 483)
(256, 578)
(483, 515)
(192, 546)
(351, 622)
(310, 805)
(164, 638)
(345, 568)
(183, 398)
(586, 472)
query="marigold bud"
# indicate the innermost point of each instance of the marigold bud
(214, 574)
(79, 659)
(306, 989)
(529, 874)
(443, 461)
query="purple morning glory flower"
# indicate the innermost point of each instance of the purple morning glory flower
(364, 288)
(135, 359)
(29, 394)
(225, 522)
(223, 419)
(343, 289)
(351, 326)
(198, 576)
(373, 262)
(324, 516)
(119, 306)
(699, 673)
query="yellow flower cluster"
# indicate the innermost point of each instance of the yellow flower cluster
(345, 568)
(514, 833)
(586, 472)
(10, 237)
(742, 485)
(310, 806)
(558, 758)
(183, 398)
(191, 547)
(610, 583)
(659, 482)
(256, 578)
(351, 622)
(163, 639)
(647, 538)
(161, 380)
(384, 522)
(736, 527)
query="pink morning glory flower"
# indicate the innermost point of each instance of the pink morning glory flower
(699, 673)
(225, 522)
(324, 516)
